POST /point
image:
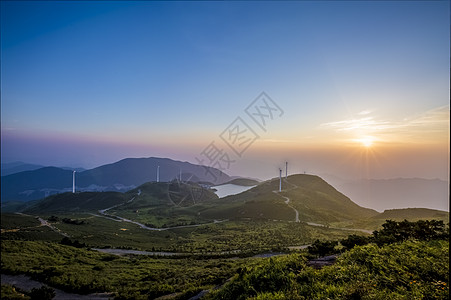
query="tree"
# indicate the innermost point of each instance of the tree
(423, 230)
(354, 240)
(322, 248)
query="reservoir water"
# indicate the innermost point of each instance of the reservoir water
(230, 189)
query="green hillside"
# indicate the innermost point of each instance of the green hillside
(78, 202)
(315, 200)
(413, 214)
(410, 214)
(174, 193)
(166, 204)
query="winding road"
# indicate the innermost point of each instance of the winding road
(103, 213)
(287, 200)
(41, 220)
(45, 223)
(296, 219)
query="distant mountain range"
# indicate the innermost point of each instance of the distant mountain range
(395, 193)
(120, 176)
(18, 166)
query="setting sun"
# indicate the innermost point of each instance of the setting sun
(366, 141)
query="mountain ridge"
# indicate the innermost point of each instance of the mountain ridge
(120, 176)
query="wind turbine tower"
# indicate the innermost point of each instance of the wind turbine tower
(280, 180)
(286, 170)
(73, 182)
(158, 174)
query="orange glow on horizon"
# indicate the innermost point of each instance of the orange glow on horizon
(366, 141)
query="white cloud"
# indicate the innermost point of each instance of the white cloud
(432, 124)
(364, 112)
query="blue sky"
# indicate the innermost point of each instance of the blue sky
(87, 83)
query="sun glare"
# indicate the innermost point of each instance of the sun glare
(366, 141)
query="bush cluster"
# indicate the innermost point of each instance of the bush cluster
(391, 232)
(404, 260)
(68, 242)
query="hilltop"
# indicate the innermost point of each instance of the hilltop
(151, 194)
(313, 198)
(412, 214)
(316, 199)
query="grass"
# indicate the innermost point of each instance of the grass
(11, 293)
(13, 221)
(25, 227)
(78, 202)
(409, 270)
(367, 270)
(134, 277)
(245, 235)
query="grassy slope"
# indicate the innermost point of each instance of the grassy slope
(12, 221)
(315, 199)
(98, 232)
(256, 208)
(166, 204)
(171, 204)
(159, 203)
(410, 214)
(139, 277)
(411, 270)
(78, 202)
(25, 227)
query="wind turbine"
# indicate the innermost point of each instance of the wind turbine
(73, 182)
(280, 179)
(286, 170)
(158, 174)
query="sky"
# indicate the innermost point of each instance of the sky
(353, 89)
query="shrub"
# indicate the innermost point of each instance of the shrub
(319, 248)
(42, 293)
(68, 242)
(423, 230)
(354, 240)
